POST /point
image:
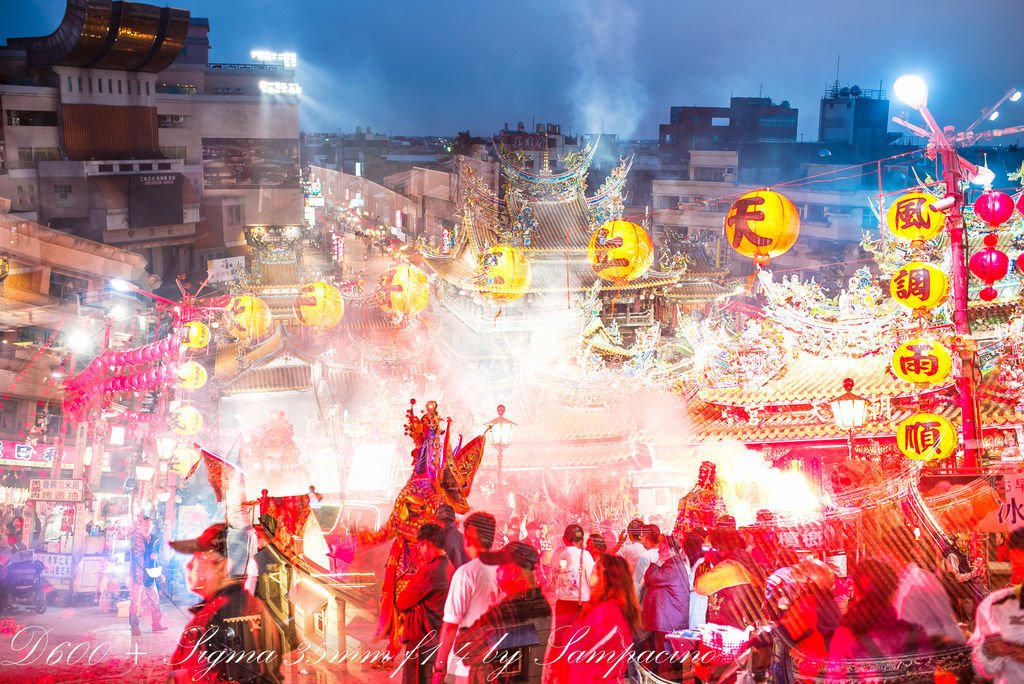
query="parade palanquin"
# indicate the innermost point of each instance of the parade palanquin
(441, 474)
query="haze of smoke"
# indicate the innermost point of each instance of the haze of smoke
(607, 96)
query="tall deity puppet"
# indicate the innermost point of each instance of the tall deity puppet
(441, 474)
(703, 505)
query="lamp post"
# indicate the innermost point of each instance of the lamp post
(502, 429)
(913, 91)
(849, 411)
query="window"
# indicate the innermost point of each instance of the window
(106, 168)
(28, 117)
(65, 286)
(62, 196)
(126, 167)
(9, 415)
(163, 167)
(145, 167)
(30, 155)
(234, 215)
(110, 86)
(719, 121)
(815, 213)
(79, 84)
(713, 174)
(90, 86)
(69, 84)
(177, 152)
(118, 86)
(99, 84)
(147, 88)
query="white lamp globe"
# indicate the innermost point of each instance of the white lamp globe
(912, 90)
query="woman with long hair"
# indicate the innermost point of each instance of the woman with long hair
(601, 641)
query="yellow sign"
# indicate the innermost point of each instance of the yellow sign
(620, 251)
(403, 290)
(319, 305)
(918, 285)
(911, 217)
(503, 274)
(922, 361)
(926, 437)
(762, 224)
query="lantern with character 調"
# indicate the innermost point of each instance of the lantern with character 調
(919, 286)
(762, 225)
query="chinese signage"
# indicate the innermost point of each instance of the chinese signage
(1011, 508)
(55, 565)
(918, 285)
(14, 453)
(56, 490)
(225, 270)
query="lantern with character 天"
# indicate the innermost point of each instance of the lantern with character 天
(248, 318)
(922, 361)
(919, 286)
(503, 274)
(762, 225)
(403, 290)
(926, 437)
(319, 305)
(620, 251)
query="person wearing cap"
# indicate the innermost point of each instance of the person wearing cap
(650, 539)
(422, 604)
(998, 638)
(231, 637)
(455, 543)
(142, 577)
(474, 589)
(508, 642)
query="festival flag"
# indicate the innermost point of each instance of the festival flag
(216, 471)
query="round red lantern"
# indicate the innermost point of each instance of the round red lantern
(994, 207)
(989, 265)
(1020, 263)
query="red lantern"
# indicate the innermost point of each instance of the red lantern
(1020, 261)
(994, 207)
(1020, 203)
(989, 265)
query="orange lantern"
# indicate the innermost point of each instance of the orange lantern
(503, 274)
(319, 305)
(186, 420)
(195, 335)
(919, 286)
(762, 224)
(620, 251)
(191, 375)
(911, 217)
(922, 361)
(249, 318)
(926, 437)
(403, 290)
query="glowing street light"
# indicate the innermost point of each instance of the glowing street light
(501, 429)
(849, 411)
(912, 90)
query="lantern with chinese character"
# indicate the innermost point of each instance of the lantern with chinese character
(191, 375)
(762, 224)
(911, 217)
(186, 420)
(195, 335)
(919, 286)
(184, 460)
(922, 361)
(248, 318)
(993, 207)
(403, 291)
(319, 305)
(620, 251)
(926, 437)
(989, 265)
(503, 274)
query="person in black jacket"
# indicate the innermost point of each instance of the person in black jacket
(454, 541)
(422, 604)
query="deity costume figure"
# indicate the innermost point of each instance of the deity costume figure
(440, 475)
(703, 505)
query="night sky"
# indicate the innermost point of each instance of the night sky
(439, 67)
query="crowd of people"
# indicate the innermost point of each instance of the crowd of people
(586, 610)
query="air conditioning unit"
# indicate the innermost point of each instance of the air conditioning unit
(178, 118)
(729, 177)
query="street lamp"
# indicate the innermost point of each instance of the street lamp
(165, 446)
(849, 411)
(914, 92)
(502, 429)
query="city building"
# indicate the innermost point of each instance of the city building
(118, 128)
